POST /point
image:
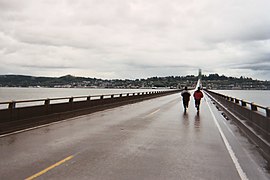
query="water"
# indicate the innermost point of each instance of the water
(259, 97)
(9, 94)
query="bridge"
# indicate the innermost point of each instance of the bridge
(135, 136)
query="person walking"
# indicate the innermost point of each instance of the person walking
(198, 95)
(185, 95)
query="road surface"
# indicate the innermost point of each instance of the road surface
(152, 139)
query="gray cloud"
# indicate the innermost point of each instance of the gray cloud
(257, 65)
(134, 39)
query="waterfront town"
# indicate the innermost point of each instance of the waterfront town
(211, 81)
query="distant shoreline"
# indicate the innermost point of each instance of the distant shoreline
(212, 81)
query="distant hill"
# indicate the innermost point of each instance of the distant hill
(211, 81)
(27, 81)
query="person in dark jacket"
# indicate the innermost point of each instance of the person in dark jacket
(198, 95)
(185, 95)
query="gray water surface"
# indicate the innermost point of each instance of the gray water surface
(260, 97)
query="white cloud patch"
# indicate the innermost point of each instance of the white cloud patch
(136, 38)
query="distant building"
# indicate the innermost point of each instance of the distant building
(200, 74)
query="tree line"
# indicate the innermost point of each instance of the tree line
(211, 80)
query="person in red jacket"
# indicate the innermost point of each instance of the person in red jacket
(198, 95)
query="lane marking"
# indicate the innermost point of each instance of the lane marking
(152, 113)
(240, 171)
(49, 168)
(244, 149)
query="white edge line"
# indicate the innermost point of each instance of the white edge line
(240, 171)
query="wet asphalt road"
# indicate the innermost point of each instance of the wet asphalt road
(152, 139)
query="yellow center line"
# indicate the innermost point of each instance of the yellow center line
(49, 168)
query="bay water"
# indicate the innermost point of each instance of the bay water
(260, 97)
(9, 93)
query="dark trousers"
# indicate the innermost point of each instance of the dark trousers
(197, 103)
(185, 103)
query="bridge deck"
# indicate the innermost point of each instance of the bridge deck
(152, 139)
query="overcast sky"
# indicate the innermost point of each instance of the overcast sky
(135, 38)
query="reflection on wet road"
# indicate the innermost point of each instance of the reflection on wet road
(187, 120)
(153, 139)
(197, 121)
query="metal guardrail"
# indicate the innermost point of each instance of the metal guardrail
(249, 105)
(48, 101)
(23, 114)
(252, 119)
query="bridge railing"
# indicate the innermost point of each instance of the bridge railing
(48, 101)
(249, 105)
(16, 115)
(253, 119)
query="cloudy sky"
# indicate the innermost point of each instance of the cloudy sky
(135, 38)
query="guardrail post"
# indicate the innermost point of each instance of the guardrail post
(12, 105)
(88, 98)
(127, 94)
(236, 101)
(120, 95)
(232, 99)
(133, 94)
(268, 112)
(102, 97)
(243, 103)
(70, 100)
(253, 107)
(47, 102)
(112, 96)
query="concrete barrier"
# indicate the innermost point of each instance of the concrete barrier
(252, 119)
(14, 117)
